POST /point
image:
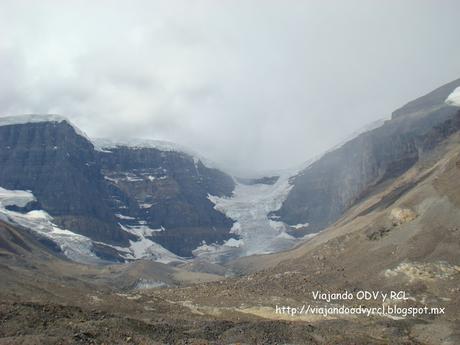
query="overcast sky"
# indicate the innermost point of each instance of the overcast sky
(252, 85)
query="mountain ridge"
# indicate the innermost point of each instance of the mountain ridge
(132, 191)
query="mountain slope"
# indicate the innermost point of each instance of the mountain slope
(59, 165)
(403, 237)
(327, 188)
(167, 191)
(125, 199)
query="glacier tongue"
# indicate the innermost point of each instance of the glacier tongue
(249, 208)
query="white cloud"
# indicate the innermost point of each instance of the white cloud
(251, 84)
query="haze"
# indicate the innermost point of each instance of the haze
(252, 85)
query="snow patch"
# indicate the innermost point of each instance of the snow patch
(141, 230)
(234, 243)
(300, 226)
(454, 98)
(154, 178)
(18, 198)
(134, 178)
(236, 228)
(216, 252)
(120, 216)
(278, 226)
(111, 179)
(145, 248)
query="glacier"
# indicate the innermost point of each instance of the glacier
(249, 207)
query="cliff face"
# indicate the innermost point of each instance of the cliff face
(167, 191)
(109, 196)
(60, 167)
(331, 185)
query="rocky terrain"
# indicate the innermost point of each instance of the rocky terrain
(388, 204)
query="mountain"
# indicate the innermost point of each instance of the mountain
(404, 236)
(328, 187)
(401, 235)
(124, 198)
(47, 155)
(144, 198)
(391, 199)
(165, 190)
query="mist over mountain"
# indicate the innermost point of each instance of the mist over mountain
(252, 87)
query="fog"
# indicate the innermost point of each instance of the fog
(252, 85)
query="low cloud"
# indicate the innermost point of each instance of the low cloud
(253, 85)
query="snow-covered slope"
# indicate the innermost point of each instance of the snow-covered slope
(76, 247)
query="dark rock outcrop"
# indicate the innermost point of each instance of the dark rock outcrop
(59, 166)
(169, 191)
